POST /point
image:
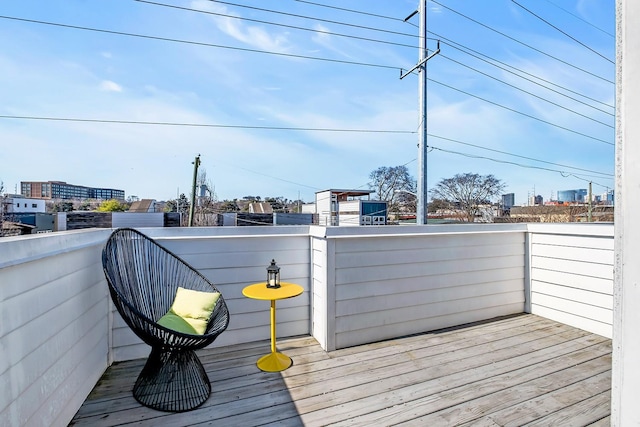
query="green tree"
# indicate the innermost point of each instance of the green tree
(468, 191)
(112, 205)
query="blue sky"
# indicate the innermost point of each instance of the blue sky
(482, 115)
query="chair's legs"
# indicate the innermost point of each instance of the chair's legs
(172, 380)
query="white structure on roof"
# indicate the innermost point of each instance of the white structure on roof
(19, 204)
(349, 208)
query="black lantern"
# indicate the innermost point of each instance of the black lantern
(273, 275)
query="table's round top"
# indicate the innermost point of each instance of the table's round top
(260, 291)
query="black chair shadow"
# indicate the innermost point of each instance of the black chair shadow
(143, 277)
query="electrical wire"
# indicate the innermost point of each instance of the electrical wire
(563, 173)
(585, 21)
(277, 24)
(527, 92)
(563, 32)
(350, 10)
(479, 55)
(524, 44)
(314, 18)
(206, 125)
(167, 39)
(519, 156)
(521, 113)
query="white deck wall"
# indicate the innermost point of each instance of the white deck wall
(54, 338)
(571, 274)
(59, 331)
(385, 282)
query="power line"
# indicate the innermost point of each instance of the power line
(121, 33)
(521, 113)
(314, 18)
(563, 173)
(276, 24)
(527, 92)
(524, 44)
(508, 68)
(519, 156)
(350, 10)
(206, 125)
(563, 32)
(583, 20)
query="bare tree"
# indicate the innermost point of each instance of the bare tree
(468, 191)
(395, 185)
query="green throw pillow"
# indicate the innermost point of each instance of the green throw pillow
(190, 311)
(174, 322)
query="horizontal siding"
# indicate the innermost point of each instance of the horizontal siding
(571, 277)
(53, 325)
(232, 259)
(390, 286)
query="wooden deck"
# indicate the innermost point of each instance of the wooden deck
(521, 370)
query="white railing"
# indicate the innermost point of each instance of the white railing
(59, 332)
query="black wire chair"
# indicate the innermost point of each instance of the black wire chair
(143, 278)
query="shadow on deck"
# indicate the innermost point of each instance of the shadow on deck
(509, 371)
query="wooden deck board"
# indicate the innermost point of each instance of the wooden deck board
(510, 371)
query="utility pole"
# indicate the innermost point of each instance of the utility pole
(196, 163)
(590, 211)
(421, 207)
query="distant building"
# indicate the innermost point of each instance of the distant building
(508, 200)
(19, 204)
(346, 207)
(61, 190)
(570, 196)
(536, 200)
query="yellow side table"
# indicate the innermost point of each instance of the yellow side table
(274, 361)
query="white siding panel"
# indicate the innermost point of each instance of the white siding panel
(396, 300)
(369, 258)
(390, 331)
(594, 284)
(573, 241)
(53, 325)
(600, 256)
(392, 285)
(587, 311)
(571, 276)
(385, 287)
(394, 271)
(583, 296)
(580, 268)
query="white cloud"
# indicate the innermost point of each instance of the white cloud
(254, 36)
(109, 86)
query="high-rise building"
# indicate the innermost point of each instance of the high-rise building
(508, 201)
(573, 195)
(62, 190)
